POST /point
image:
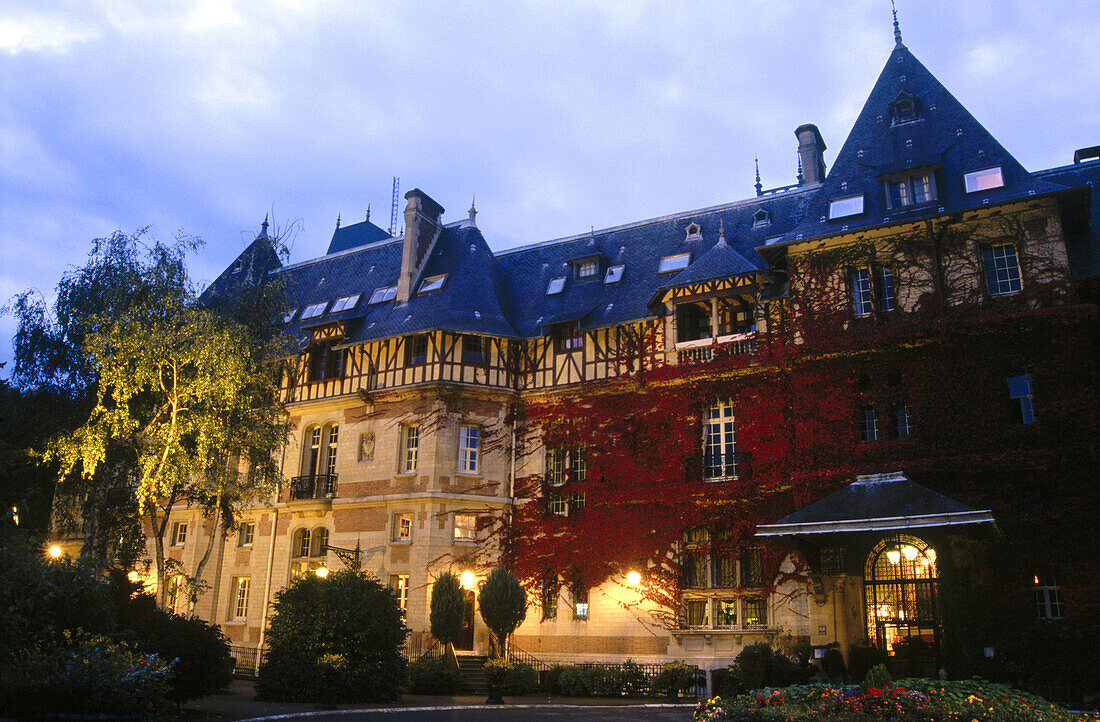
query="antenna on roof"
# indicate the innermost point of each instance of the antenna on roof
(393, 207)
(897, 28)
(759, 186)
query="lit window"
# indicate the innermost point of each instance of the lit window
(381, 295)
(984, 180)
(246, 533)
(862, 302)
(469, 447)
(289, 315)
(725, 612)
(175, 597)
(345, 304)
(887, 297)
(1002, 269)
(580, 602)
(695, 612)
(756, 612)
(179, 533)
(465, 527)
(868, 424)
(1019, 389)
(416, 350)
(432, 283)
(847, 206)
(555, 286)
(399, 583)
(719, 443)
(239, 608)
(587, 269)
(568, 337)
(402, 526)
(314, 310)
(902, 425)
(473, 349)
(411, 448)
(549, 598)
(1048, 597)
(613, 275)
(677, 262)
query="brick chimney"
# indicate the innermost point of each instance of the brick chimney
(811, 152)
(423, 223)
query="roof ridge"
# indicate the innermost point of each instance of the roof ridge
(339, 254)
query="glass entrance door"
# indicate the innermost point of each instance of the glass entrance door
(901, 585)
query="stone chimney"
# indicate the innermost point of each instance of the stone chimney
(423, 223)
(811, 152)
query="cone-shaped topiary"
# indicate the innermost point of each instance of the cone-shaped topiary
(503, 604)
(448, 608)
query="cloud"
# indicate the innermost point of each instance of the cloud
(33, 33)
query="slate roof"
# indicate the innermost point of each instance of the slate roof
(720, 261)
(254, 263)
(355, 235)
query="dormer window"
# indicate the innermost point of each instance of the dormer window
(556, 286)
(289, 315)
(614, 275)
(761, 218)
(345, 304)
(432, 283)
(911, 189)
(984, 180)
(694, 232)
(314, 311)
(381, 295)
(587, 269)
(237, 266)
(847, 206)
(677, 262)
(903, 109)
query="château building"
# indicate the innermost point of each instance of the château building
(817, 414)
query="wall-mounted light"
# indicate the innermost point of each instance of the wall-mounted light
(321, 572)
(134, 577)
(466, 579)
(633, 578)
(55, 551)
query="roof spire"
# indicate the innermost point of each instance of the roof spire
(368, 213)
(799, 169)
(337, 220)
(721, 230)
(473, 210)
(897, 28)
(759, 186)
(263, 227)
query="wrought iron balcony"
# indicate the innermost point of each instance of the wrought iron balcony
(318, 486)
(719, 467)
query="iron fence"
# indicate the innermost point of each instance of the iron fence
(246, 661)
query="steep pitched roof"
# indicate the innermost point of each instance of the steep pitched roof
(720, 261)
(252, 265)
(942, 135)
(354, 236)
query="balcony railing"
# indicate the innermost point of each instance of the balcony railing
(718, 467)
(705, 349)
(318, 486)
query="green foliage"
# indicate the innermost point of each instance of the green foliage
(334, 640)
(203, 664)
(861, 658)
(503, 604)
(448, 608)
(758, 665)
(79, 673)
(511, 678)
(674, 678)
(878, 676)
(434, 676)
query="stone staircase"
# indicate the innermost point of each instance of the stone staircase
(471, 668)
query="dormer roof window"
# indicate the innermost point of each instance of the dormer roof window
(910, 189)
(345, 303)
(432, 283)
(237, 266)
(903, 109)
(614, 275)
(289, 315)
(556, 286)
(694, 232)
(381, 295)
(846, 206)
(984, 180)
(761, 218)
(677, 262)
(314, 310)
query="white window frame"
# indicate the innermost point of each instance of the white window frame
(466, 530)
(431, 283)
(238, 610)
(403, 526)
(846, 206)
(675, 262)
(869, 424)
(314, 310)
(399, 583)
(381, 295)
(179, 534)
(410, 448)
(863, 301)
(581, 609)
(1006, 275)
(1020, 389)
(1049, 604)
(720, 437)
(345, 303)
(986, 179)
(588, 269)
(556, 286)
(469, 449)
(246, 534)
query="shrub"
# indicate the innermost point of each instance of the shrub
(575, 682)
(203, 664)
(634, 682)
(334, 640)
(879, 677)
(83, 674)
(448, 608)
(674, 678)
(758, 665)
(503, 604)
(862, 658)
(551, 680)
(434, 676)
(511, 678)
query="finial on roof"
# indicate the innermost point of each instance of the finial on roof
(759, 185)
(799, 169)
(473, 209)
(897, 28)
(721, 230)
(368, 213)
(337, 220)
(263, 227)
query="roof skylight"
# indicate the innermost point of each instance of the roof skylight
(984, 180)
(314, 310)
(556, 286)
(847, 206)
(345, 304)
(677, 262)
(614, 275)
(432, 283)
(289, 315)
(381, 295)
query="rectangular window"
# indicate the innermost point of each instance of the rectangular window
(381, 295)
(411, 447)
(246, 533)
(578, 464)
(614, 275)
(1048, 597)
(175, 595)
(469, 447)
(325, 362)
(677, 262)
(887, 297)
(345, 304)
(725, 612)
(862, 300)
(555, 467)
(580, 602)
(1002, 269)
(868, 424)
(549, 598)
(587, 269)
(984, 180)
(556, 286)
(416, 349)
(465, 527)
(314, 310)
(179, 533)
(695, 612)
(725, 571)
(847, 206)
(432, 283)
(568, 337)
(576, 502)
(719, 443)
(399, 583)
(756, 612)
(557, 504)
(752, 568)
(693, 571)
(473, 349)
(923, 189)
(402, 526)
(902, 426)
(910, 190)
(239, 609)
(1019, 390)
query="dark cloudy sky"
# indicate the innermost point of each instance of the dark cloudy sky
(202, 116)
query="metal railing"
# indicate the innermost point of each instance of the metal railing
(318, 486)
(516, 655)
(246, 661)
(717, 467)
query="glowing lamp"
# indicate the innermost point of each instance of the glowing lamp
(134, 577)
(321, 572)
(467, 579)
(633, 578)
(55, 551)
(894, 556)
(930, 553)
(909, 552)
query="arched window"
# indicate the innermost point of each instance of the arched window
(301, 546)
(320, 541)
(901, 585)
(311, 451)
(319, 450)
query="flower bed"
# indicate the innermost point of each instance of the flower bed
(913, 699)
